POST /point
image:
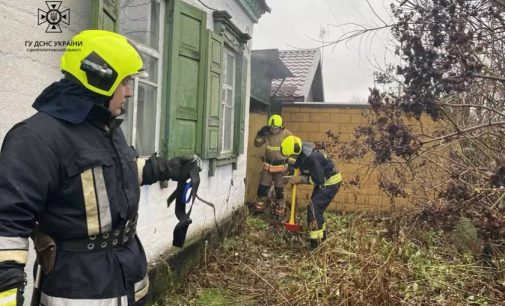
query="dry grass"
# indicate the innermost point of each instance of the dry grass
(363, 262)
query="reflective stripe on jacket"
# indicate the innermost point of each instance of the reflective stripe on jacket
(320, 169)
(273, 142)
(75, 180)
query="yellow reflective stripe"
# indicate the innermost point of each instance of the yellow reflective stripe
(90, 202)
(337, 178)
(19, 256)
(291, 160)
(324, 226)
(96, 201)
(141, 288)
(8, 298)
(316, 234)
(271, 148)
(140, 168)
(103, 201)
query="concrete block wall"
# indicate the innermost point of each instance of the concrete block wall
(313, 122)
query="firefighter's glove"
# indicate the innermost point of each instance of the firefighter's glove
(291, 170)
(296, 179)
(161, 169)
(264, 131)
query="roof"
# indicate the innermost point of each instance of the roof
(264, 6)
(265, 66)
(305, 65)
(270, 59)
(254, 8)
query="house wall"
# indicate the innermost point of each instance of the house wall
(25, 74)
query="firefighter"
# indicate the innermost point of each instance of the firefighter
(69, 179)
(274, 164)
(316, 169)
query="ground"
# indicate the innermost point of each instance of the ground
(364, 261)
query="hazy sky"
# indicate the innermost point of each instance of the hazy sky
(347, 67)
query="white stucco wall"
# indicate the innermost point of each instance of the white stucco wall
(23, 75)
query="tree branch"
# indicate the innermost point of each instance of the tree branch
(476, 127)
(475, 106)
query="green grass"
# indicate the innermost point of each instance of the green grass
(364, 261)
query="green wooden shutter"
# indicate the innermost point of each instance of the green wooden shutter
(186, 82)
(105, 15)
(213, 96)
(241, 108)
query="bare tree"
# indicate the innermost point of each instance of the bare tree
(452, 71)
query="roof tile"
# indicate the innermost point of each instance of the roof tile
(303, 65)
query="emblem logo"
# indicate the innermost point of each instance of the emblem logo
(54, 16)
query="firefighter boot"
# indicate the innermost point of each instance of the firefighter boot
(313, 243)
(280, 208)
(315, 235)
(260, 205)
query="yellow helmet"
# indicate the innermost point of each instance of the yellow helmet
(291, 145)
(100, 60)
(275, 120)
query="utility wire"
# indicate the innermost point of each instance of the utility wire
(212, 9)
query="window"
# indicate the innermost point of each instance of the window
(139, 20)
(228, 101)
(225, 101)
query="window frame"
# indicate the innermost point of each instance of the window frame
(222, 152)
(159, 55)
(232, 39)
(234, 42)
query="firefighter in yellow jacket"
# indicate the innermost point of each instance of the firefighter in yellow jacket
(274, 164)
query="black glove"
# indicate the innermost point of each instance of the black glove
(291, 170)
(264, 131)
(160, 169)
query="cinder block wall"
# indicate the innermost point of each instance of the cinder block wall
(312, 122)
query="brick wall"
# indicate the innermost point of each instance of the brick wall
(312, 122)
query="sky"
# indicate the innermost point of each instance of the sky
(347, 66)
